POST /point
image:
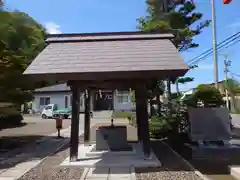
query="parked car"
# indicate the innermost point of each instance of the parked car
(67, 113)
(52, 111)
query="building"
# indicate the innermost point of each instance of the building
(60, 94)
(112, 60)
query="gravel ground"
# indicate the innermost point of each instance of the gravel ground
(49, 169)
(173, 168)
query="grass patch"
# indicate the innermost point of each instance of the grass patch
(235, 112)
(123, 114)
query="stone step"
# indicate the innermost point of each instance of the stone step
(235, 172)
(110, 153)
(115, 173)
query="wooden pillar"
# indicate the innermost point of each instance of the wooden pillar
(87, 102)
(138, 114)
(169, 98)
(142, 114)
(75, 123)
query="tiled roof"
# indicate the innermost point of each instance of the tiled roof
(106, 37)
(91, 53)
(54, 88)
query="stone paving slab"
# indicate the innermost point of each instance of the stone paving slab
(109, 174)
(235, 171)
(98, 173)
(110, 160)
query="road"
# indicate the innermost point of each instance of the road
(36, 126)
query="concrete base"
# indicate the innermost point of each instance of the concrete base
(235, 172)
(212, 151)
(108, 159)
(106, 138)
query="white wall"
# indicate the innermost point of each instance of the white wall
(55, 98)
(59, 99)
(122, 106)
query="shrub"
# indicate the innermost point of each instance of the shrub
(159, 127)
(9, 117)
(132, 120)
(208, 95)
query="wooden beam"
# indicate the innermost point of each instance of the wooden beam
(126, 75)
(120, 84)
(87, 101)
(75, 123)
(143, 117)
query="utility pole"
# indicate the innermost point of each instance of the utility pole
(227, 63)
(214, 43)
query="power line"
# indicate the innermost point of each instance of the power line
(220, 45)
(234, 74)
(219, 48)
(210, 50)
(233, 43)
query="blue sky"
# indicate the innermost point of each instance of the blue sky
(108, 15)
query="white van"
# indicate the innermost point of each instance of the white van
(47, 112)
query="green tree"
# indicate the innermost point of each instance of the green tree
(22, 38)
(184, 80)
(180, 20)
(208, 95)
(233, 88)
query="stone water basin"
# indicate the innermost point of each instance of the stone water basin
(112, 138)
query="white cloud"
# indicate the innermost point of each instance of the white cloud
(52, 28)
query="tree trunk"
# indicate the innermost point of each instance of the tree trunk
(177, 88)
(151, 108)
(158, 105)
(169, 98)
(234, 103)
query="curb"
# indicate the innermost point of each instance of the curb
(133, 174)
(50, 154)
(84, 174)
(202, 176)
(40, 161)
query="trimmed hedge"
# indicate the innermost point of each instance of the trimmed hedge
(159, 127)
(10, 117)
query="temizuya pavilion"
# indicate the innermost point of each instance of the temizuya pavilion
(113, 60)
